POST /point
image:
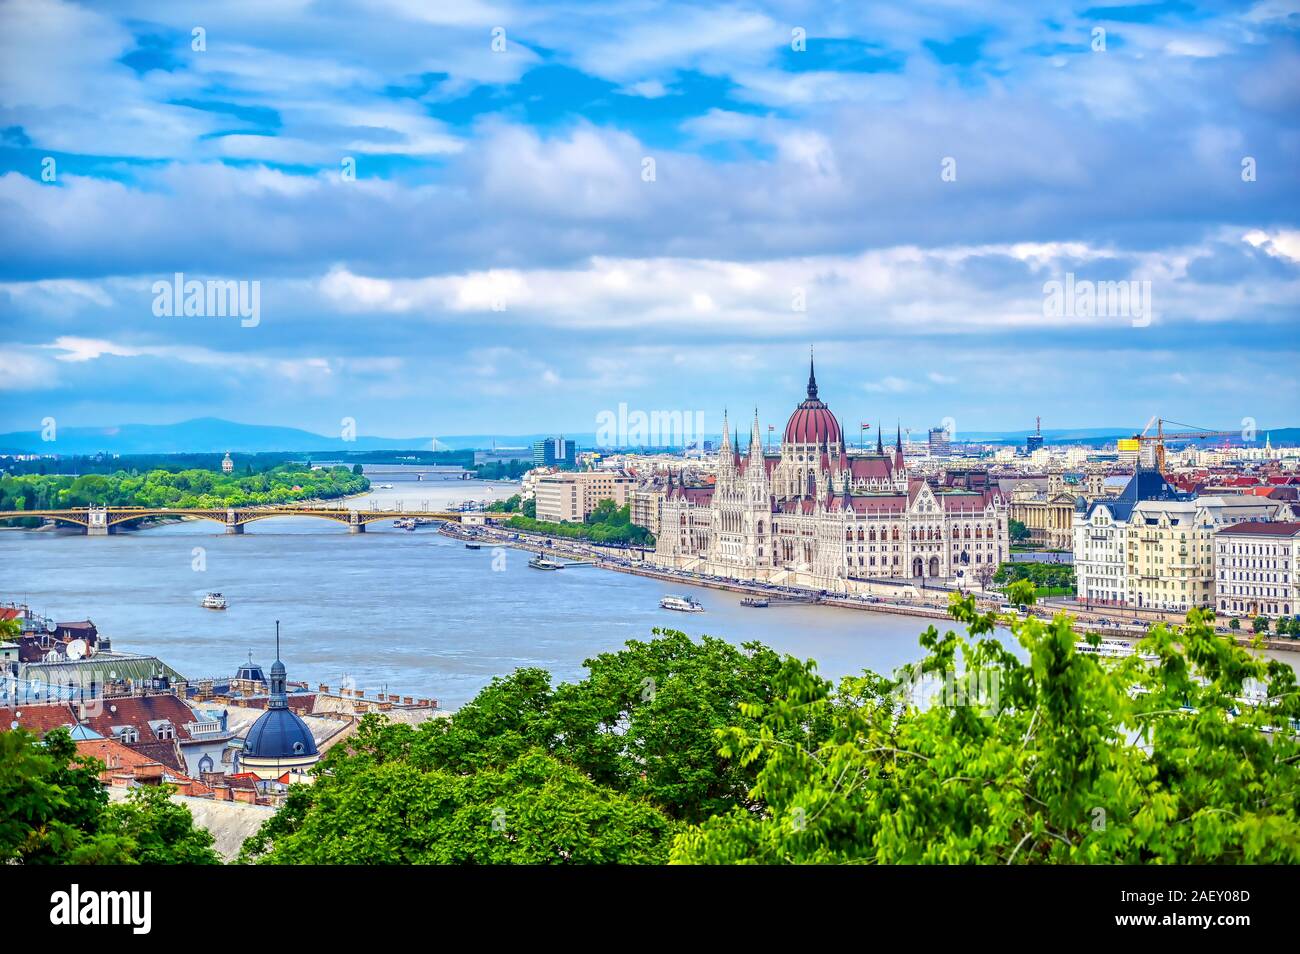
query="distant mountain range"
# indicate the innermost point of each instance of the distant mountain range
(201, 435)
(214, 435)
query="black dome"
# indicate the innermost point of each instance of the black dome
(279, 734)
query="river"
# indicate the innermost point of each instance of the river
(405, 612)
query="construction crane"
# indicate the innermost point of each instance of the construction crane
(1157, 440)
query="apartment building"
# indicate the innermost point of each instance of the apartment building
(569, 497)
(1171, 547)
(1100, 531)
(647, 503)
(1255, 568)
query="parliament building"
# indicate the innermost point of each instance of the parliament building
(816, 514)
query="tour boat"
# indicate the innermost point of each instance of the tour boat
(541, 563)
(757, 601)
(683, 604)
(1111, 649)
(214, 601)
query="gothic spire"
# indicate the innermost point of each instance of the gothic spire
(880, 438)
(812, 378)
(898, 442)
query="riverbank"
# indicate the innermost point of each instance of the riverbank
(1085, 621)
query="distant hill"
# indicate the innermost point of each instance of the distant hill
(214, 435)
(201, 435)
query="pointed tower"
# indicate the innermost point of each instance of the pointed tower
(755, 441)
(898, 449)
(726, 456)
(880, 440)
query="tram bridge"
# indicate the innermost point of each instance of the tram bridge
(99, 521)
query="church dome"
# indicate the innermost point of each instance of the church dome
(812, 421)
(279, 734)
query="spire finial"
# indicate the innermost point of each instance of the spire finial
(812, 376)
(880, 438)
(898, 441)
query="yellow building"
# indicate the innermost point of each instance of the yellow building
(1171, 547)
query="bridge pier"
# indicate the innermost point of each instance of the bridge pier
(234, 528)
(232, 521)
(96, 522)
(354, 523)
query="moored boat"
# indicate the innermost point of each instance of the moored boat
(541, 563)
(473, 546)
(757, 601)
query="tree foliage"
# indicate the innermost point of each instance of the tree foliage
(1082, 759)
(633, 745)
(607, 523)
(55, 810)
(179, 489)
(1042, 575)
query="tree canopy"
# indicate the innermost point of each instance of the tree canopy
(702, 752)
(1070, 757)
(180, 489)
(55, 810)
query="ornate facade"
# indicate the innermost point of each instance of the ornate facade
(815, 514)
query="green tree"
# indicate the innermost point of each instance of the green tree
(1234, 624)
(640, 731)
(162, 832)
(55, 810)
(534, 810)
(1017, 531)
(1260, 624)
(1073, 759)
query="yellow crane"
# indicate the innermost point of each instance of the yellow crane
(1157, 440)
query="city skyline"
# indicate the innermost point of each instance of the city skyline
(504, 219)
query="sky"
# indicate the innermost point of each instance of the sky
(509, 217)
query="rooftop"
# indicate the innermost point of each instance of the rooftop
(1257, 529)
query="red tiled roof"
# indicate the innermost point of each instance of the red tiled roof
(868, 467)
(1258, 529)
(39, 718)
(139, 711)
(162, 750)
(114, 754)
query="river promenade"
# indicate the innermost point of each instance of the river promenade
(928, 606)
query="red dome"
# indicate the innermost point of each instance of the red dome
(812, 421)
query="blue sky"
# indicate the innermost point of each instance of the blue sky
(502, 263)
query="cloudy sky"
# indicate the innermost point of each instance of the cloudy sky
(506, 217)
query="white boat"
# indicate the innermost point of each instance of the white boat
(214, 601)
(541, 563)
(1111, 649)
(683, 604)
(384, 487)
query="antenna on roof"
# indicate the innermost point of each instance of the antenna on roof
(277, 639)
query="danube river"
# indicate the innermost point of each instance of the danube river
(407, 612)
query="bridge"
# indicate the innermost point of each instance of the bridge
(99, 521)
